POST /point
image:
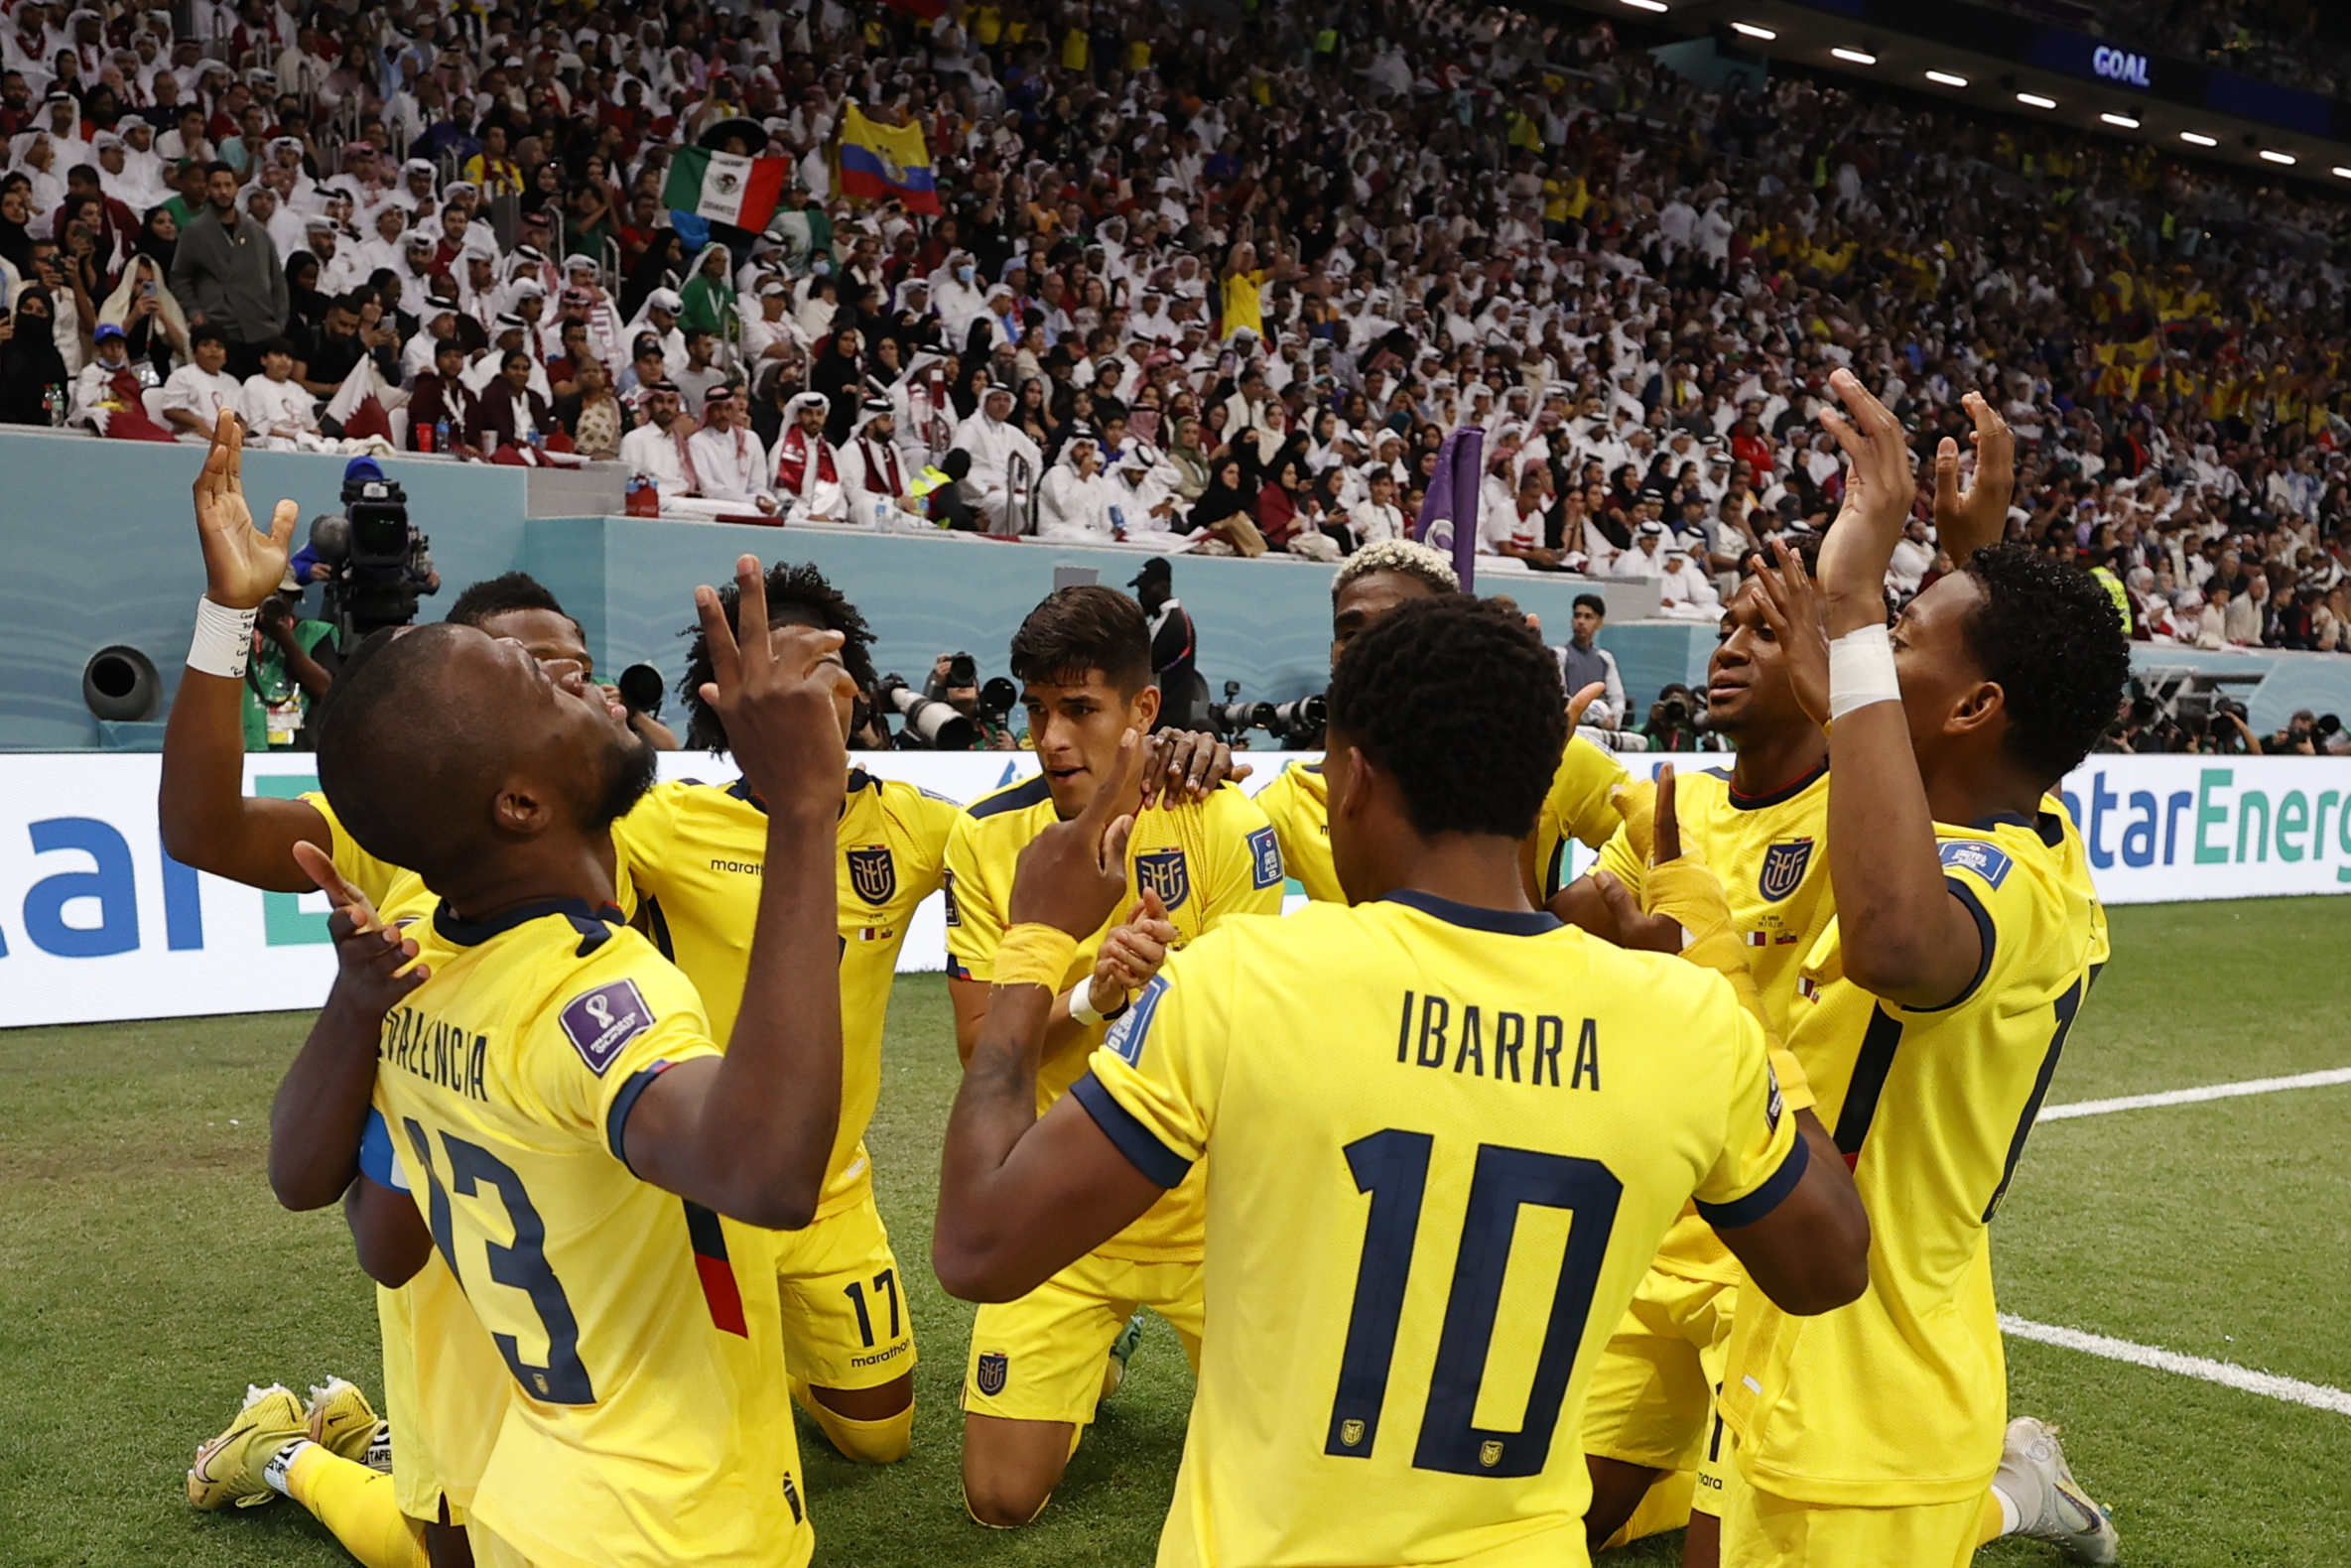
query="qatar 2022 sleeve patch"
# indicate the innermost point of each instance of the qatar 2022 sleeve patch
(1266, 858)
(1985, 861)
(600, 1022)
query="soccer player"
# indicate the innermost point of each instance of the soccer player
(1930, 1020)
(693, 854)
(1375, 580)
(1759, 825)
(573, 1131)
(1039, 1364)
(447, 1403)
(1445, 1135)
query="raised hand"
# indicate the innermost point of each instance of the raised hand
(1965, 522)
(1074, 873)
(1794, 614)
(1879, 489)
(1582, 701)
(375, 965)
(1132, 954)
(775, 688)
(242, 565)
(1635, 928)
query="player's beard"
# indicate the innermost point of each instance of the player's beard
(629, 769)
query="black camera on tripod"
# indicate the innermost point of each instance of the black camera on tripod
(1295, 726)
(377, 562)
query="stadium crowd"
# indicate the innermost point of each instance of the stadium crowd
(1223, 284)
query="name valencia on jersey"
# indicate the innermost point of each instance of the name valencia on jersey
(437, 1051)
(1490, 1042)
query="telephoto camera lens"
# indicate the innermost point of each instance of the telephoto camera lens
(938, 725)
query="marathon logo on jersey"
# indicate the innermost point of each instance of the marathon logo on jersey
(1974, 855)
(1266, 858)
(947, 886)
(599, 1023)
(1165, 873)
(1774, 1104)
(994, 1367)
(1783, 868)
(872, 873)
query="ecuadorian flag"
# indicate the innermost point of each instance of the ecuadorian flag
(881, 162)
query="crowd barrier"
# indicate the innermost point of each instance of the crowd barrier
(96, 923)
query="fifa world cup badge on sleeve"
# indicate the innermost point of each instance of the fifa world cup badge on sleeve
(1266, 858)
(1974, 855)
(604, 1020)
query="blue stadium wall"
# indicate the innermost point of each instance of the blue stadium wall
(97, 547)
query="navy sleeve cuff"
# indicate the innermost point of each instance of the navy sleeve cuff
(1747, 1210)
(1984, 929)
(616, 1119)
(1143, 1151)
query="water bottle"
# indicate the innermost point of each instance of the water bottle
(881, 514)
(441, 436)
(1119, 522)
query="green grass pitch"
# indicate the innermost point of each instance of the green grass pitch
(146, 1276)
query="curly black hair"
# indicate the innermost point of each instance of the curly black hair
(503, 596)
(2051, 636)
(790, 588)
(1461, 702)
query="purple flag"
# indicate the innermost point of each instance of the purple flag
(1449, 512)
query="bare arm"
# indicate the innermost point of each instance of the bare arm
(749, 1134)
(1905, 937)
(209, 821)
(1021, 1198)
(1811, 1252)
(388, 1232)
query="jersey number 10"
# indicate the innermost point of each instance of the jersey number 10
(1392, 1166)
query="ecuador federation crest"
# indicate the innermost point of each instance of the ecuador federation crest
(873, 874)
(1163, 872)
(993, 1367)
(1783, 868)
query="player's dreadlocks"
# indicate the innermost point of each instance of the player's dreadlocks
(1460, 701)
(2051, 636)
(796, 594)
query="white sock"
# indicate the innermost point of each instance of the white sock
(2010, 1515)
(273, 1473)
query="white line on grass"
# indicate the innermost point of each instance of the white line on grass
(2189, 1096)
(2295, 1391)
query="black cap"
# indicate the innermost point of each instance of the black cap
(1156, 567)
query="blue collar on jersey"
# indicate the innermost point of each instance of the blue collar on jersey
(590, 920)
(1508, 922)
(859, 779)
(2043, 824)
(1770, 796)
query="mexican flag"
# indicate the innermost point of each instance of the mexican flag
(723, 187)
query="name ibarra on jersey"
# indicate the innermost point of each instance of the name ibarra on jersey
(437, 1052)
(1464, 1035)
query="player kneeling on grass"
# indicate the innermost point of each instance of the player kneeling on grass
(602, 1180)
(1040, 1364)
(1403, 1098)
(1929, 1021)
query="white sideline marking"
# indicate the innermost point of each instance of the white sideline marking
(2189, 1096)
(2270, 1385)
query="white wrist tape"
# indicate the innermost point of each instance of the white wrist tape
(1082, 1010)
(1861, 672)
(223, 641)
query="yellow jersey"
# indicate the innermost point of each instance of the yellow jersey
(1298, 804)
(691, 858)
(1579, 807)
(640, 1332)
(1208, 861)
(1769, 853)
(1901, 1397)
(1443, 1144)
(445, 1387)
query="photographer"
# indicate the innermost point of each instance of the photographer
(291, 668)
(2299, 737)
(955, 681)
(1673, 724)
(373, 560)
